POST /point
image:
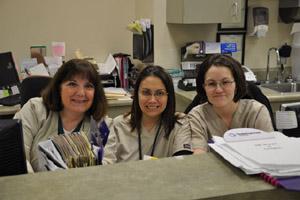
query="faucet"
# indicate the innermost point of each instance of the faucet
(278, 63)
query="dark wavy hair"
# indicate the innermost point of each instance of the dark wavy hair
(52, 97)
(168, 117)
(220, 60)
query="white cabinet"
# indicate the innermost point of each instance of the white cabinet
(204, 11)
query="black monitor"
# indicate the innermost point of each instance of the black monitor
(8, 73)
(12, 152)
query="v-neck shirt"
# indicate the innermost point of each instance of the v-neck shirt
(123, 144)
(205, 122)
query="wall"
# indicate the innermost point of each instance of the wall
(95, 27)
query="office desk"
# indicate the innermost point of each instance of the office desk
(194, 177)
(118, 107)
(115, 108)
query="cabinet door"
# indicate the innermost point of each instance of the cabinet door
(204, 11)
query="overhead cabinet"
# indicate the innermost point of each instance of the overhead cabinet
(204, 11)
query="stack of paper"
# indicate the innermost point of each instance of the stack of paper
(255, 151)
(116, 93)
(68, 151)
(39, 70)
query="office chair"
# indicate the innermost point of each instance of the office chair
(32, 86)
(12, 152)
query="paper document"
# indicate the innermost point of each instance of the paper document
(275, 155)
(114, 90)
(15, 90)
(212, 47)
(28, 63)
(108, 66)
(39, 69)
(246, 134)
(117, 94)
(53, 64)
(286, 120)
(48, 148)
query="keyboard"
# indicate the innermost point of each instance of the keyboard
(11, 100)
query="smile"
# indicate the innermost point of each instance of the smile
(79, 101)
(152, 107)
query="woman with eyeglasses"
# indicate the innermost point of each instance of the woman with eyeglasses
(221, 82)
(151, 129)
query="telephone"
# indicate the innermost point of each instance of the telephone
(249, 75)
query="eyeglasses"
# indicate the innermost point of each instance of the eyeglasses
(212, 85)
(158, 94)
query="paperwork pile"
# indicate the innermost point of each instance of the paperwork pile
(255, 151)
(113, 93)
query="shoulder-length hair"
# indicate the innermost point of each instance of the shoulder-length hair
(220, 60)
(76, 67)
(167, 118)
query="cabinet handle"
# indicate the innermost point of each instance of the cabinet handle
(235, 9)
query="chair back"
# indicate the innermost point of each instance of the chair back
(32, 86)
(12, 152)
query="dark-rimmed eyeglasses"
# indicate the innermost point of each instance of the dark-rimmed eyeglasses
(158, 94)
(212, 85)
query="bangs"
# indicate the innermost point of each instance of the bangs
(83, 73)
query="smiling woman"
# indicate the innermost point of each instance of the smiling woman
(221, 82)
(72, 101)
(151, 128)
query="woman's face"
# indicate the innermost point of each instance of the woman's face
(153, 97)
(77, 95)
(219, 86)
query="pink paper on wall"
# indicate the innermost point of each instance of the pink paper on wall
(58, 49)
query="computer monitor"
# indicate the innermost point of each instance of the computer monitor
(8, 73)
(12, 152)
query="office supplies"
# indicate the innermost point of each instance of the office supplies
(39, 49)
(107, 67)
(53, 63)
(74, 149)
(47, 147)
(275, 155)
(192, 55)
(290, 183)
(116, 93)
(12, 153)
(39, 70)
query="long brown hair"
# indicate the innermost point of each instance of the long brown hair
(52, 97)
(168, 117)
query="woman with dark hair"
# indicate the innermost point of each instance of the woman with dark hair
(73, 99)
(151, 128)
(221, 84)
